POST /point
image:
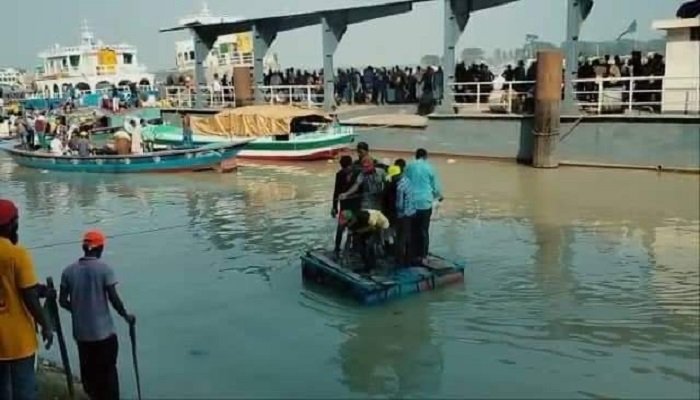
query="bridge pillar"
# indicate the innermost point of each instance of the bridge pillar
(576, 12)
(332, 30)
(263, 36)
(456, 17)
(202, 47)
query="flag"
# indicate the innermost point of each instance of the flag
(630, 29)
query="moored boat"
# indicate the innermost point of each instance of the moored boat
(202, 158)
(279, 133)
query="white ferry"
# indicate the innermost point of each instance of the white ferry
(90, 66)
(12, 77)
(234, 50)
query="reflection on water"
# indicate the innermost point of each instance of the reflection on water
(580, 283)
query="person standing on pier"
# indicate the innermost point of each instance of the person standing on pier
(426, 190)
(86, 287)
(19, 310)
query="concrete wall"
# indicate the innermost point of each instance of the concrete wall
(477, 137)
(629, 141)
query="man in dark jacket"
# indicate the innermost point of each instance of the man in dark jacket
(344, 179)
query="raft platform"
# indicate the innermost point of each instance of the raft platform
(384, 283)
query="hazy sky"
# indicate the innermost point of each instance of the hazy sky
(29, 26)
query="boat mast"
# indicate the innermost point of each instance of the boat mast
(86, 36)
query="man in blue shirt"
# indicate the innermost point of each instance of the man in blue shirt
(405, 211)
(426, 189)
(88, 286)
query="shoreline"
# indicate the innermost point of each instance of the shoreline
(51, 382)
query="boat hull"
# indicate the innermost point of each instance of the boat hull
(198, 159)
(307, 147)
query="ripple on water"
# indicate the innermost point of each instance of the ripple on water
(584, 285)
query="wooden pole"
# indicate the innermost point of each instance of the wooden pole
(53, 313)
(547, 108)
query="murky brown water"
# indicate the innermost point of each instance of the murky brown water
(581, 283)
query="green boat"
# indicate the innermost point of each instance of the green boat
(282, 132)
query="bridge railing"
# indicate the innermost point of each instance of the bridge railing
(596, 96)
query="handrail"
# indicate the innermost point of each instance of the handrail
(310, 95)
(184, 96)
(611, 94)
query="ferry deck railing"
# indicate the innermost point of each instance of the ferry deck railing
(305, 95)
(184, 97)
(596, 96)
(235, 58)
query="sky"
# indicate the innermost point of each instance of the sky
(30, 26)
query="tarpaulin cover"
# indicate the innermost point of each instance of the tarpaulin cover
(256, 121)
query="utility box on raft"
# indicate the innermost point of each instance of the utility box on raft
(384, 283)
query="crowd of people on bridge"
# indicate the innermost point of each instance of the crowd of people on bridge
(371, 85)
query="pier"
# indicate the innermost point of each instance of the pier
(604, 121)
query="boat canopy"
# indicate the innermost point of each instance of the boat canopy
(258, 121)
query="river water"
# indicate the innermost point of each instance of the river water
(580, 283)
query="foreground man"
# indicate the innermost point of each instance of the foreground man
(86, 285)
(19, 308)
(426, 189)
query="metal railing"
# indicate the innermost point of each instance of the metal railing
(184, 97)
(645, 93)
(78, 93)
(306, 95)
(235, 58)
(506, 97)
(597, 96)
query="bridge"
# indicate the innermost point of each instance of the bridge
(334, 23)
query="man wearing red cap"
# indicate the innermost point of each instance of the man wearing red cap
(19, 308)
(86, 287)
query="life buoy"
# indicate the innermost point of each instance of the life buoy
(127, 124)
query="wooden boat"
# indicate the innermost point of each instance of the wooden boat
(202, 158)
(279, 133)
(386, 282)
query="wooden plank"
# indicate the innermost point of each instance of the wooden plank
(331, 264)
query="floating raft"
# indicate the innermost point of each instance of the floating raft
(384, 283)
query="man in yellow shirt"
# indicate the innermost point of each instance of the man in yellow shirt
(369, 227)
(19, 308)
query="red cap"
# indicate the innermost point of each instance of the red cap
(94, 238)
(8, 211)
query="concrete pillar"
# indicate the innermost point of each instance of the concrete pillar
(547, 109)
(201, 51)
(576, 12)
(456, 18)
(263, 36)
(332, 31)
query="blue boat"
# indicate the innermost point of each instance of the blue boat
(202, 158)
(385, 283)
